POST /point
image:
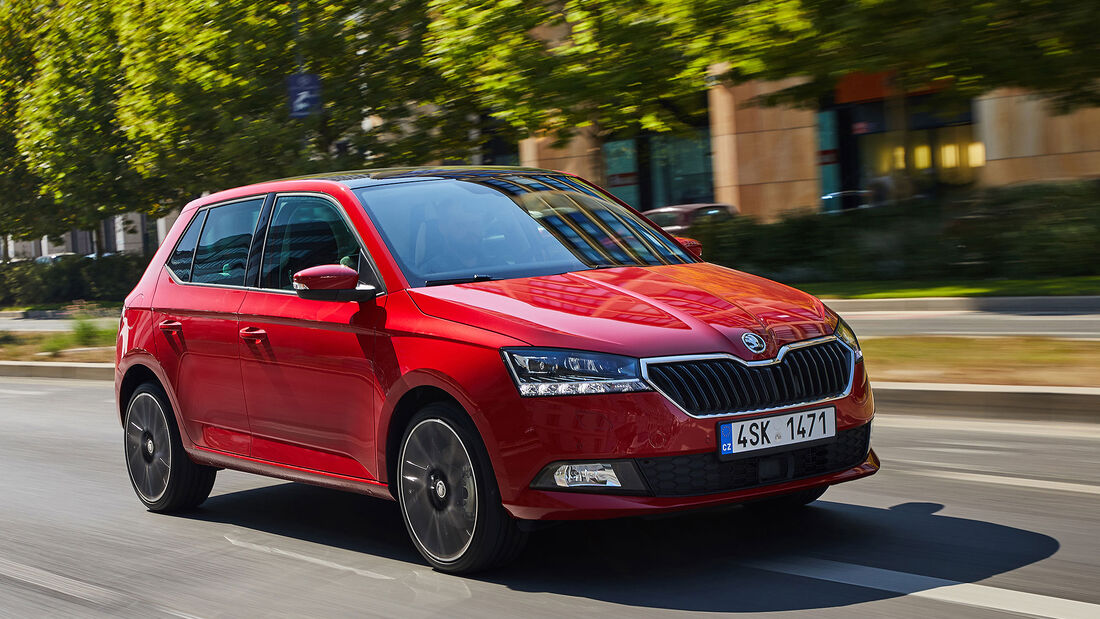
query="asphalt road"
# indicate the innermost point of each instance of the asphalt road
(967, 519)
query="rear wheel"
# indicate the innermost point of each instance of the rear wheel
(448, 494)
(163, 476)
(787, 502)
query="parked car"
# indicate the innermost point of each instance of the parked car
(53, 258)
(678, 218)
(489, 347)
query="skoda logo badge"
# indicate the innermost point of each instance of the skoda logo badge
(754, 342)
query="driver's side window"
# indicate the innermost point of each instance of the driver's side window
(305, 231)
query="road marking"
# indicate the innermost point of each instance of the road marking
(75, 588)
(308, 559)
(21, 392)
(1021, 482)
(1023, 429)
(968, 594)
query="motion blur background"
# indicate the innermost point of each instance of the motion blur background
(875, 141)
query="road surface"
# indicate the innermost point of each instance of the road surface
(960, 323)
(967, 519)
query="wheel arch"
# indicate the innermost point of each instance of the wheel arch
(409, 403)
(134, 377)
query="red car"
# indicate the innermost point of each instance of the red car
(490, 347)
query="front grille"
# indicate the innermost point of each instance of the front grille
(721, 386)
(704, 473)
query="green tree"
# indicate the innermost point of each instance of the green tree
(604, 66)
(963, 49)
(69, 132)
(24, 211)
(206, 98)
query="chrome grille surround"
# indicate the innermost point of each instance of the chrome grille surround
(850, 358)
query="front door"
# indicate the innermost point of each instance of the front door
(307, 365)
(195, 313)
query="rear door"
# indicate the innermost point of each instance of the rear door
(195, 314)
(307, 365)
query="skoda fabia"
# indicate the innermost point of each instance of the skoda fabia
(489, 347)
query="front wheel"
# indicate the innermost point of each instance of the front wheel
(164, 477)
(448, 494)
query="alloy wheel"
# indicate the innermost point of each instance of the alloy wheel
(438, 490)
(148, 447)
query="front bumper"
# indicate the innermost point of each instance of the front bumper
(552, 505)
(676, 453)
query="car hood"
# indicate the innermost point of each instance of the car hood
(636, 311)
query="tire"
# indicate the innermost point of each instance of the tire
(788, 502)
(449, 497)
(162, 474)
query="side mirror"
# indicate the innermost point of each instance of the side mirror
(332, 282)
(693, 247)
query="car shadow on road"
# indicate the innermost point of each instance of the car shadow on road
(705, 561)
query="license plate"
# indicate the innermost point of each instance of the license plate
(740, 437)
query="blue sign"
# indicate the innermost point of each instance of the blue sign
(304, 94)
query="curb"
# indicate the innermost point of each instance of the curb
(1009, 305)
(53, 369)
(1031, 403)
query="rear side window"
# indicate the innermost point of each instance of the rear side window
(184, 254)
(222, 251)
(305, 231)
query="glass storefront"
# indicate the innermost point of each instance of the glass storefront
(652, 171)
(862, 162)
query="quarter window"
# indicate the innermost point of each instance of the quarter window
(305, 231)
(184, 254)
(223, 246)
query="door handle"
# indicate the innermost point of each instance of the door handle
(252, 333)
(171, 326)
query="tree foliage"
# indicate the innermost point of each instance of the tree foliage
(963, 49)
(24, 211)
(68, 126)
(605, 65)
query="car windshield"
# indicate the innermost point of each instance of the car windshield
(666, 218)
(506, 226)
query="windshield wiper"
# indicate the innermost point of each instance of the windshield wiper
(459, 280)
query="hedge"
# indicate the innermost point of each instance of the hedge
(108, 278)
(1031, 231)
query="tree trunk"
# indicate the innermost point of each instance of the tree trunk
(97, 239)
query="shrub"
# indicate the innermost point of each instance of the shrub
(1048, 230)
(108, 278)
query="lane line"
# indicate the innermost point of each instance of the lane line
(308, 559)
(77, 589)
(940, 589)
(22, 392)
(1026, 430)
(60, 584)
(1020, 482)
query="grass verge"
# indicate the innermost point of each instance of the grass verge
(984, 360)
(86, 342)
(1058, 286)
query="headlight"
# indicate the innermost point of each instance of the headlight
(845, 334)
(548, 371)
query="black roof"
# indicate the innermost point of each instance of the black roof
(361, 178)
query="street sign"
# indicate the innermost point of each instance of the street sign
(304, 94)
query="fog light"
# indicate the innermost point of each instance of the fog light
(575, 475)
(616, 476)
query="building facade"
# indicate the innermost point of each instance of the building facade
(771, 161)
